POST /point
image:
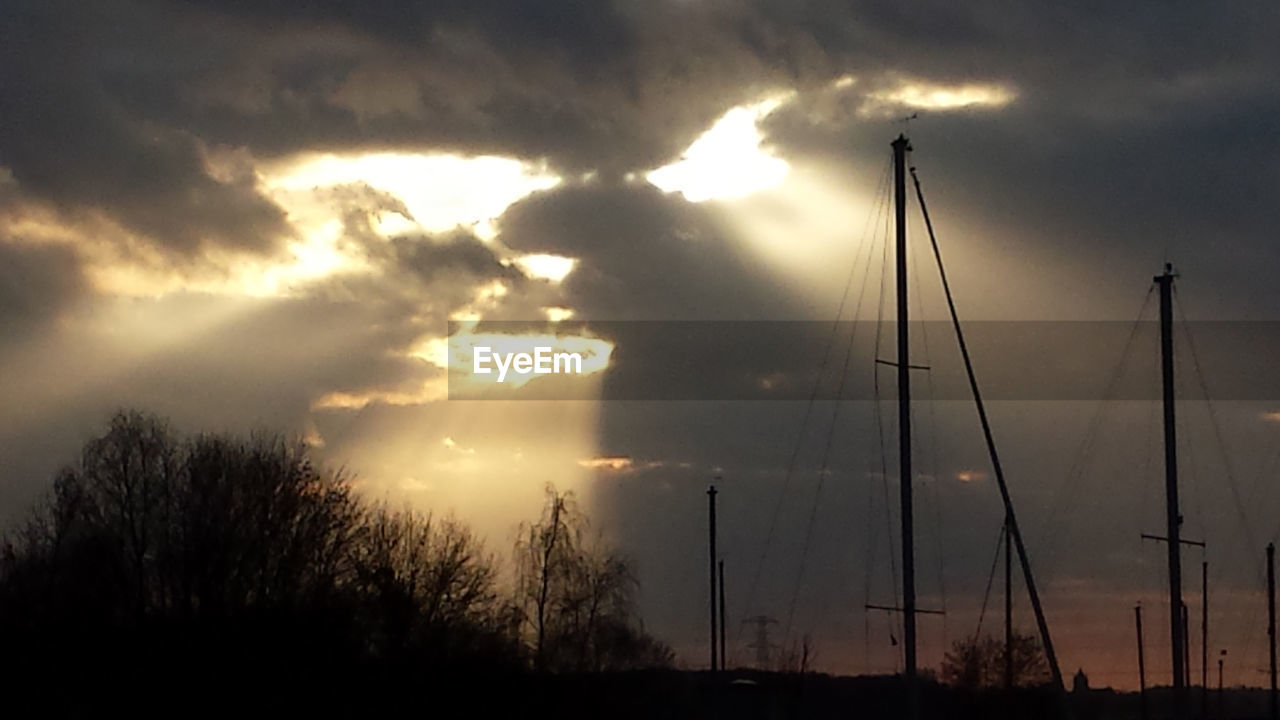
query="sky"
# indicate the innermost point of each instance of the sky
(250, 215)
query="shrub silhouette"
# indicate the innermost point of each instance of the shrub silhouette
(979, 662)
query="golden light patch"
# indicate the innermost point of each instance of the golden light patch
(546, 267)
(726, 161)
(441, 191)
(311, 436)
(486, 297)
(434, 350)
(557, 314)
(606, 463)
(319, 255)
(913, 93)
(618, 464)
(316, 254)
(430, 391)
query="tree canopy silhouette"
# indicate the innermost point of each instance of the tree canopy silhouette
(216, 553)
(980, 663)
(577, 596)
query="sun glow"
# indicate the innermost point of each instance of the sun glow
(546, 267)
(440, 191)
(726, 161)
(320, 255)
(557, 314)
(801, 228)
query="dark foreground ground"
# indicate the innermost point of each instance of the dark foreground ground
(115, 691)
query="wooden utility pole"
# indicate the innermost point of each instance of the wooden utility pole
(723, 664)
(1204, 640)
(1173, 517)
(1224, 652)
(1008, 605)
(1186, 641)
(711, 508)
(1142, 665)
(1271, 627)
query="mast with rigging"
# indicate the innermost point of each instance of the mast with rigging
(900, 148)
(1173, 516)
(909, 609)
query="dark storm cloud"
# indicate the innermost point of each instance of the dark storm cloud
(645, 255)
(610, 85)
(590, 32)
(69, 142)
(421, 275)
(452, 255)
(584, 84)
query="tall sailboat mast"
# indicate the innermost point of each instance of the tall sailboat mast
(1173, 516)
(900, 148)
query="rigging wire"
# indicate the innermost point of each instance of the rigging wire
(826, 453)
(1254, 620)
(1217, 431)
(991, 576)
(994, 457)
(823, 470)
(872, 221)
(1075, 472)
(1196, 492)
(935, 528)
(1151, 448)
(893, 621)
(1195, 489)
(1264, 471)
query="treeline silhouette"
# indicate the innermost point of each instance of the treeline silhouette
(199, 574)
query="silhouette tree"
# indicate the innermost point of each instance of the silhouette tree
(149, 530)
(543, 554)
(979, 663)
(218, 559)
(577, 595)
(427, 583)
